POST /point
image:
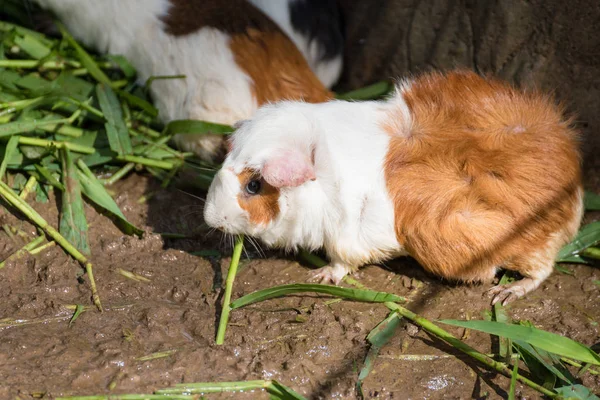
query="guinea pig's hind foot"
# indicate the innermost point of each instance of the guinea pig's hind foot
(513, 291)
(330, 274)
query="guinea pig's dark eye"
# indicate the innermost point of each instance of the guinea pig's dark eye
(253, 187)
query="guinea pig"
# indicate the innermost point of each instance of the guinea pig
(466, 174)
(233, 56)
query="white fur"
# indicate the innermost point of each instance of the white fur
(328, 71)
(346, 210)
(215, 88)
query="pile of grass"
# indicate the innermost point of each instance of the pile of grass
(64, 112)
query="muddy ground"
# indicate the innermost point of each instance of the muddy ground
(307, 342)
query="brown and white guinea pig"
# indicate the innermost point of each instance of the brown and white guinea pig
(233, 56)
(467, 175)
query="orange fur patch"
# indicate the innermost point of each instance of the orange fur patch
(277, 68)
(485, 176)
(262, 207)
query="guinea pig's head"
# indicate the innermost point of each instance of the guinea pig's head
(270, 158)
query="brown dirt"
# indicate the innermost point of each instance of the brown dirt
(177, 310)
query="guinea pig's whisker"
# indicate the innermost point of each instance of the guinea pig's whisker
(256, 246)
(193, 195)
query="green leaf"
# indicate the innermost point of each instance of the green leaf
(47, 175)
(73, 225)
(564, 270)
(116, 130)
(545, 359)
(578, 392)
(86, 60)
(591, 201)
(138, 102)
(378, 337)
(71, 86)
(189, 126)
(346, 293)
(12, 128)
(283, 392)
(539, 372)
(513, 381)
(34, 83)
(95, 191)
(33, 47)
(9, 151)
(544, 340)
(587, 236)
(79, 308)
(373, 91)
(128, 69)
(8, 79)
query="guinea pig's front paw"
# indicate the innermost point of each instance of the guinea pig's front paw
(508, 293)
(333, 274)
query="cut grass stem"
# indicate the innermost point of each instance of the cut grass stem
(231, 273)
(27, 248)
(37, 219)
(118, 175)
(465, 348)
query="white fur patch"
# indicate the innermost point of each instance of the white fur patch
(347, 208)
(215, 88)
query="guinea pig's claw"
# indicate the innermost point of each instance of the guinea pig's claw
(326, 275)
(506, 293)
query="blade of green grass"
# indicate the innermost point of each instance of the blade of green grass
(116, 130)
(30, 141)
(370, 92)
(86, 60)
(15, 127)
(545, 360)
(32, 46)
(378, 337)
(587, 236)
(231, 273)
(591, 201)
(11, 148)
(465, 348)
(80, 308)
(47, 175)
(370, 296)
(188, 126)
(544, 340)
(138, 102)
(275, 388)
(128, 69)
(73, 224)
(577, 392)
(95, 191)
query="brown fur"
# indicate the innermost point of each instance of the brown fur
(486, 176)
(277, 68)
(263, 207)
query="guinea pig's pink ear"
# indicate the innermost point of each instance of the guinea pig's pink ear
(288, 168)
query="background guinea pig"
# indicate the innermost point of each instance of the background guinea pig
(233, 56)
(465, 174)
